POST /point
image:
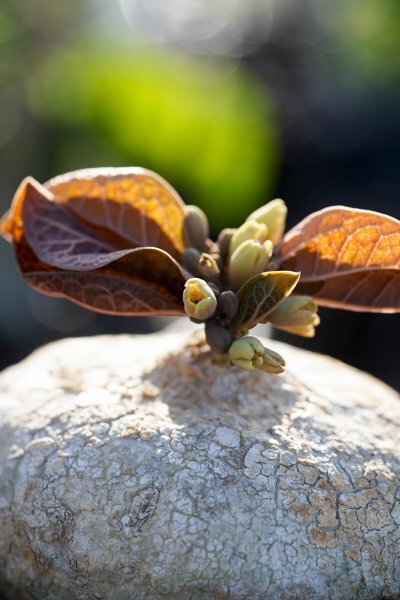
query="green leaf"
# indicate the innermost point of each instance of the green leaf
(261, 294)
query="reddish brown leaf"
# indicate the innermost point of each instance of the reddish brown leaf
(373, 291)
(105, 293)
(4, 227)
(101, 290)
(11, 225)
(348, 258)
(132, 207)
(60, 239)
(53, 249)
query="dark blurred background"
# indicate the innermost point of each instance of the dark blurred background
(234, 102)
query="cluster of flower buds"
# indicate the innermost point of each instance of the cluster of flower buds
(220, 271)
(251, 246)
(248, 353)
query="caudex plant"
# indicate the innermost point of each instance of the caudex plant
(121, 241)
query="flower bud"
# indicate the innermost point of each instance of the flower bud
(223, 241)
(297, 314)
(199, 300)
(251, 258)
(306, 331)
(208, 267)
(251, 230)
(195, 228)
(248, 353)
(272, 362)
(228, 303)
(273, 215)
(218, 338)
(190, 259)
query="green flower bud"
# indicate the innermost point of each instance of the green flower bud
(251, 258)
(199, 300)
(195, 228)
(272, 362)
(251, 230)
(229, 303)
(218, 338)
(190, 259)
(273, 215)
(297, 314)
(248, 353)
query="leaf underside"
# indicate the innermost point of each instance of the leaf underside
(348, 259)
(104, 293)
(61, 254)
(368, 291)
(259, 296)
(132, 206)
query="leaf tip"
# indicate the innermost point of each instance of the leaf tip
(13, 220)
(30, 184)
(5, 227)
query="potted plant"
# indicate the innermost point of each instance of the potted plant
(168, 466)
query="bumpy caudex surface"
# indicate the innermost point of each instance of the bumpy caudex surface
(121, 241)
(137, 468)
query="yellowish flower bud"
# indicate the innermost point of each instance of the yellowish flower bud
(307, 331)
(297, 314)
(248, 353)
(199, 300)
(273, 215)
(251, 230)
(251, 258)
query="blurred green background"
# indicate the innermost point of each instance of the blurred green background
(234, 103)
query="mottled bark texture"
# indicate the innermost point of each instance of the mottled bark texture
(130, 469)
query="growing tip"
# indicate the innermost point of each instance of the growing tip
(273, 215)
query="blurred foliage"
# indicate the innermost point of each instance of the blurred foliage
(29, 30)
(205, 126)
(363, 36)
(204, 123)
(374, 36)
